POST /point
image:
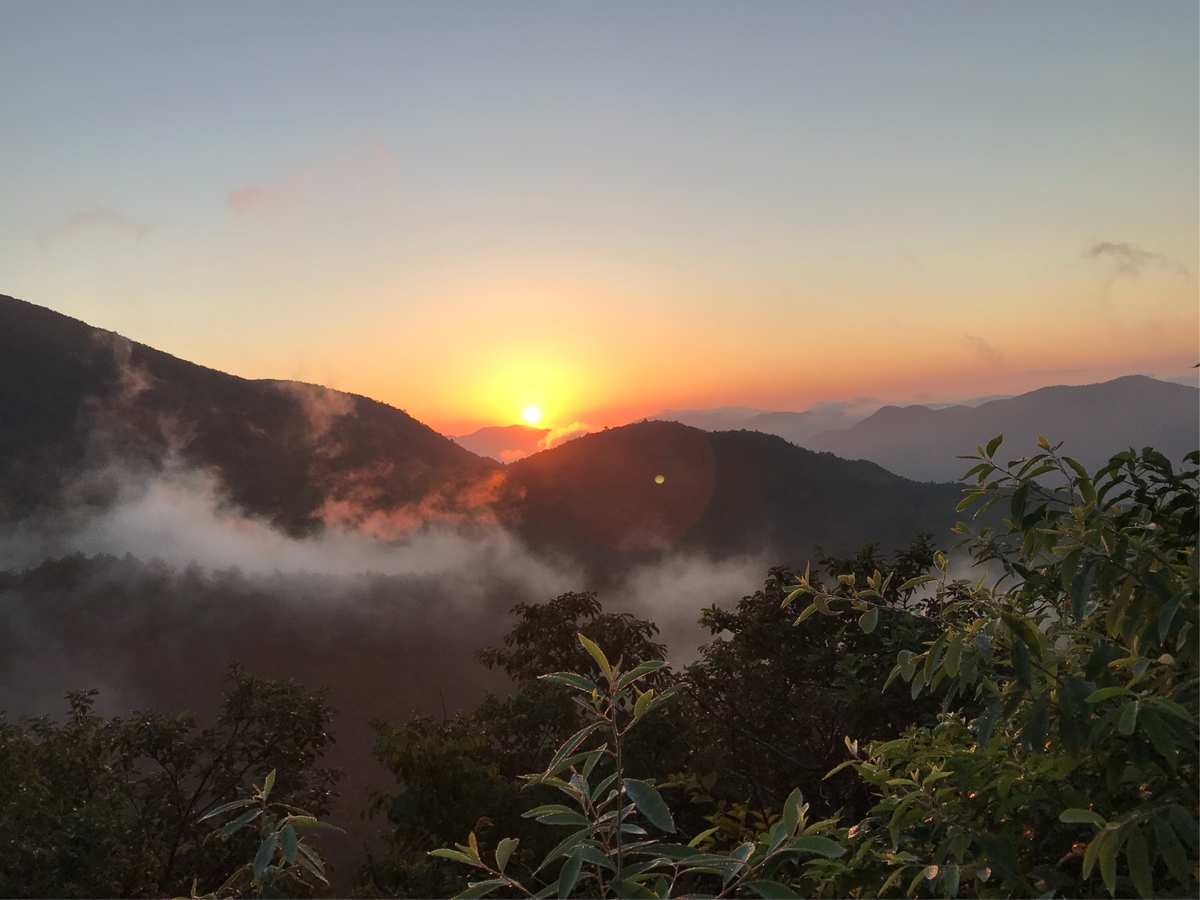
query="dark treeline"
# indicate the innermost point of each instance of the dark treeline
(147, 777)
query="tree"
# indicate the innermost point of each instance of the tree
(772, 702)
(1064, 761)
(460, 774)
(109, 807)
(608, 851)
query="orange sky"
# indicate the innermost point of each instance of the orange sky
(610, 209)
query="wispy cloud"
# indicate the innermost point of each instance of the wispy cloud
(1130, 260)
(351, 174)
(563, 434)
(96, 219)
(983, 349)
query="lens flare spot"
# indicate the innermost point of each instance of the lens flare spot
(660, 479)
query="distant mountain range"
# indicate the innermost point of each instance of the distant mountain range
(797, 427)
(504, 443)
(921, 441)
(1093, 420)
(82, 409)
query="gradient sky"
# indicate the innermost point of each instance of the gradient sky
(608, 208)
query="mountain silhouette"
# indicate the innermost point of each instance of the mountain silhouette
(1094, 421)
(639, 490)
(77, 402)
(504, 443)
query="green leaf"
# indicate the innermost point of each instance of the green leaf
(953, 656)
(821, 846)
(569, 874)
(567, 818)
(993, 445)
(635, 889)
(1105, 693)
(1077, 816)
(226, 807)
(597, 654)
(289, 842)
(309, 860)
(564, 846)
(572, 743)
(266, 852)
(1021, 663)
(546, 809)
(1108, 859)
(891, 881)
(868, 620)
(916, 582)
(1185, 824)
(639, 671)
(504, 850)
(268, 783)
(950, 878)
(805, 613)
(477, 889)
(453, 855)
(771, 890)
(240, 822)
(570, 679)
(1128, 719)
(790, 816)
(1137, 854)
(1171, 849)
(650, 804)
(643, 703)
(595, 856)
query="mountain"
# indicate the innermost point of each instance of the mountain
(80, 407)
(85, 412)
(504, 443)
(1094, 421)
(720, 418)
(721, 493)
(796, 427)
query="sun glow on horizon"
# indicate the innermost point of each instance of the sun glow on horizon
(531, 414)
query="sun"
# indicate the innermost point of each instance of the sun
(531, 414)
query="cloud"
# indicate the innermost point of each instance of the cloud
(248, 197)
(1130, 260)
(97, 220)
(347, 178)
(321, 406)
(983, 349)
(565, 433)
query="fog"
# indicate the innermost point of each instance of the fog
(150, 598)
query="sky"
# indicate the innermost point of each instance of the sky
(607, 209)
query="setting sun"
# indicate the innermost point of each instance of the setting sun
(531, 414)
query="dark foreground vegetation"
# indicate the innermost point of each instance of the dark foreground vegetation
(866, 727)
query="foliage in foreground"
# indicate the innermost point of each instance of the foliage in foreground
(1064, 758)
(109, 807)
(1077, 770)
(609, 851)
(285, 864)
(762, 711)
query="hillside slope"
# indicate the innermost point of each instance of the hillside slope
(1094, 421)
(78, 403)
(721, 493)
